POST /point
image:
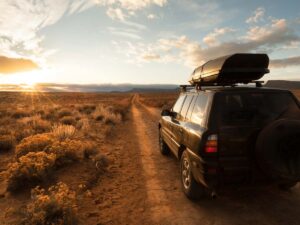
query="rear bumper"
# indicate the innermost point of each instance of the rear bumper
(213, 173)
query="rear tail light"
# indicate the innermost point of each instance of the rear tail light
(211, 145)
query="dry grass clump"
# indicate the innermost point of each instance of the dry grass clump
(29, 170)
(68, 120)
(106, 115)
(20, 113)
(7, 143)
(64, 112)
(58, 206)
(37, 123)
(87, 109)
(62, 132)
(35, 143)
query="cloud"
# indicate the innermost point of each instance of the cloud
(282, 63)
(152, 16)
(151, 57)
(133, 5)
(14, 65)
(275, 35)
(21, 21)
(116, 13)
(257, 15)
(212, 38)
(125, 32)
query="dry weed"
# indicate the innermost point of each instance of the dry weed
(29, 170)
(37, 123)
(35, 143)
(67, 151)
(64, 112)
(20, 113)
(58, 206)
(87, 109)
(7, 143)
(106, 115)
(62, 132)
(68, 120)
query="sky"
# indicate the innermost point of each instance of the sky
(141, 41)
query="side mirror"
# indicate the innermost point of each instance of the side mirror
(168, 112)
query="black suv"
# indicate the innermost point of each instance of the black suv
(227, 134)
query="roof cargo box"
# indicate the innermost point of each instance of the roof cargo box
(237, 68)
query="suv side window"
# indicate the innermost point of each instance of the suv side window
(200, 107)
(186, 105)
(189, 113)
(178, 104)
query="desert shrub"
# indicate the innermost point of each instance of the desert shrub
(29, 170)
(83, 125)
(62, 132)
(20, 113)
(113, 119)
(7, 143)
(22, 133)
(35, 143)
(64, 112)
(89, 150)
(67, 151)
(87, 109)
(100, 113)
(58, 206)
(50, 114)
(68, 120)
(37, 123)
(106, 115)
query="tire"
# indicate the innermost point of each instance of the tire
(163, 147)
(191, 188)
(277, 150)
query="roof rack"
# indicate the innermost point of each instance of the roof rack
(198, 86)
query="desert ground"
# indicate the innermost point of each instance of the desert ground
(79, 158)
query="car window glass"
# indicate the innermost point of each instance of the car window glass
(186, 105)
(255, 108)
(178, 104)
(190, 110)
(200, 108)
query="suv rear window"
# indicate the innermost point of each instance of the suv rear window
(253, 108)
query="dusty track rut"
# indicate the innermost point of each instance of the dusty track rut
(166, 204)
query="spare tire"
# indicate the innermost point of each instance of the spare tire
(278, 150)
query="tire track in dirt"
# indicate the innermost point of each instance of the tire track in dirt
(166, 201)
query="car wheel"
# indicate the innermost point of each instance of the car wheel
(190, 187)
(163, 147)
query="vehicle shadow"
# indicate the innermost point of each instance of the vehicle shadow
(254, 205)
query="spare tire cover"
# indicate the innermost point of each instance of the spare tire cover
(278, 150)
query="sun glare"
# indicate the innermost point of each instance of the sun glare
(27, 80)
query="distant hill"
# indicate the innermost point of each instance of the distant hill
(52, 87)
(283, 84)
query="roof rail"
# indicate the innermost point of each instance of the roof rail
(198, 86)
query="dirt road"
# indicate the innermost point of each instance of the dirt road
(143, 187)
